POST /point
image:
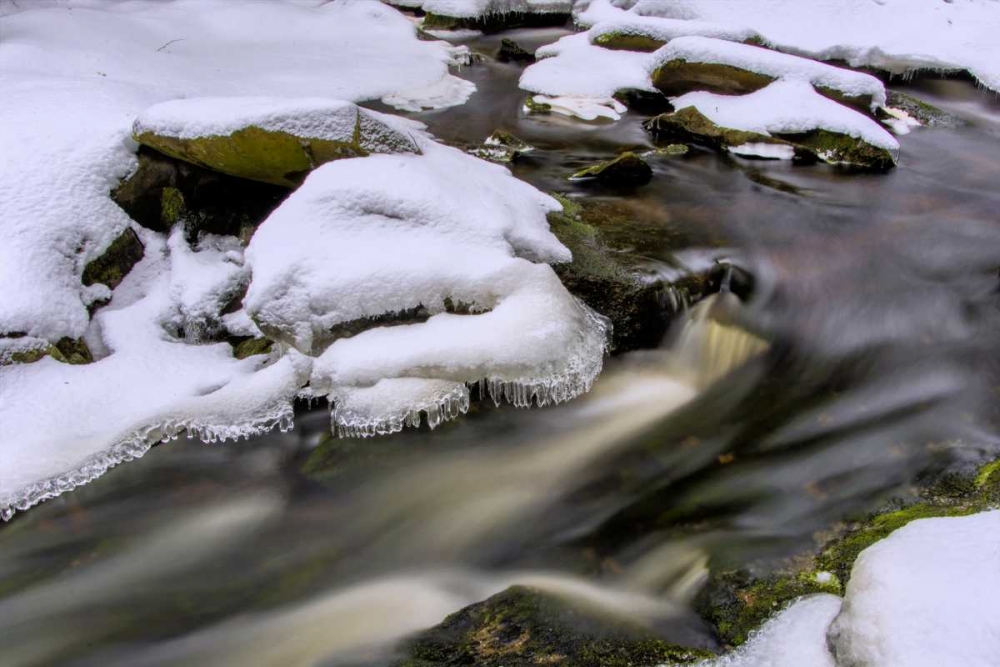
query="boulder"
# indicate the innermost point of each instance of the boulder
(512, 52)
(524, 627)
(112, 267)
(497, 21)
(628, 169)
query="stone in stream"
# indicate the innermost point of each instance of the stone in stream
(555, 15)
(512, 52)
(628, 169)
(524, 626)
(501, 147)
(920, 111)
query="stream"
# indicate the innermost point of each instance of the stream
(856, 356)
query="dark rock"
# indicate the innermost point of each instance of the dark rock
(628, 169)
(112, 267)
(496, 21)
(501, 147)
(639, 306)
(644, 101)
(921, 111)
(65, 350)
(512, 52)
(631, 40)
(165, 190)
(523, 627)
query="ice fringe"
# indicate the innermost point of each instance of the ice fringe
(135, 446)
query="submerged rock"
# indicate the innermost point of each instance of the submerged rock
(512, 52)
(112, 267)
(164, 190)
(523, 626)
(267, 140)
(628, 169)
(501, 147)
(639, 306)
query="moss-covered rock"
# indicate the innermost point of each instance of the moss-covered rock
(501, 147)
(164, 190)
(112, 267)
(65, 350)
(523, 627)
(689, 125)
(603, 276)
(248, 347)
(619, 40)
(512, 52)
(626, 170)
(531, 105)
(494, 22)
(274, 156)
(924, 113)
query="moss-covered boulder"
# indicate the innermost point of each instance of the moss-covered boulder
(626, 170)
(279, 146)
(512, 52)
(688, 125)
(245, 347)
(523, 627)
(25, 350)
(627, 40)
(922, 112)
(164, 190)
(501, 147)
(115, 263)
(606, 274)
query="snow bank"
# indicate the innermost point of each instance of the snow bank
(927, 595)
(894, 35)
(74, 79)
(395, 240)
(787, 107)
(794, 638)
(62, 425)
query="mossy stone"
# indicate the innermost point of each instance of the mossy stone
(534, 106)
(512, 52)
(626, 170)
(172, 206)
(112, 267)
(926, 114)
(523, 627)
(628, 41)
(65, 350)
(248, 347)
(679, 76)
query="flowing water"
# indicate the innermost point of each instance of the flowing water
(859, 357)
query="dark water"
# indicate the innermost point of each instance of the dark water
(876, 296)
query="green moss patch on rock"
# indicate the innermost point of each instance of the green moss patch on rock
(689, 125)
(679, 76)
(626, 170)
(248, 347)
(604, 274)
(523, 626)
(926, 114)
(65, 350)
(112, 266)
(618, 40)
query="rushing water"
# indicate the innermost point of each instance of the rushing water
(863, 358)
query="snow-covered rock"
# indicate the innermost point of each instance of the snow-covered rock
(273, 140)
(412, 275)
(927, 595)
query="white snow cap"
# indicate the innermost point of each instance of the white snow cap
(384, 235)
(927, 595)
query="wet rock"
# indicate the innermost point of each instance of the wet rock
(494, 22)
(531, 105)
(274, 156)
(631, 40)
(610, 280)
(690, 126)
(679, 76)
(501, 147)
(523, 626)
(164, 190)
(512, 52)
(628, 169)
(924, 113)
(112, 267)
(643, 101)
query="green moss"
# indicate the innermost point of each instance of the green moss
(524, 626)
(536, 107)
(691, 126)
(249, 347)
(112, 267)
(679, 76)
(628, 41)
(842, 149)
(65, 350)
(172, 206)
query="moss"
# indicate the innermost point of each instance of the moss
(536, 107)
(65, 350)
(524, 626)
(172, 206)
(679, 76)
(248, 347)
(112, 267)
(842, 149)
(737, 603)
(628, 169)
(628, 41)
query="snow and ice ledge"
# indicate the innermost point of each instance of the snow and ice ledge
(413, 276)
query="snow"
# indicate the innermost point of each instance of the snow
(584, 108)
(925, 596)
(898, 36)
(76, 76)
(463, 232)
(786, 107)
(756, 149)
(794, 638)
(63, 425)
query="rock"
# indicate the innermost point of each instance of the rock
(505, 138)
(679, 76)
(274, 156)
(920, 111)
(501, 147)
(24, 350)
(164, 190)
(512, 52)
(643, 101)
(640, 307)
(497, 21)
(112, 267)
(248, 347)
(690, 126)
(631, 40)
(523, 627)
(628, 169)
(531, 105)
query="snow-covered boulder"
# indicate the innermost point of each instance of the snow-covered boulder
(413, 275)
(267, 139)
